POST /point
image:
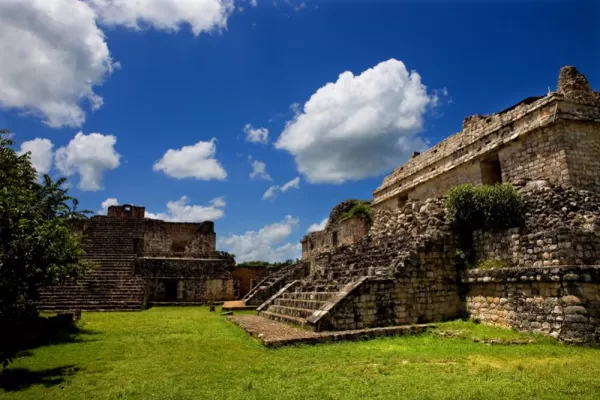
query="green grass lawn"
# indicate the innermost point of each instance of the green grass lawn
(189, 353)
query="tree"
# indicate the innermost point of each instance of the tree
(37, 247)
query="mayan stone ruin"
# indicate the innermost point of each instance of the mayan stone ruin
(398, 263)
(402, 267)
(137, 261)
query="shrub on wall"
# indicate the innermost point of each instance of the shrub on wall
(362, 210)
(486, 207)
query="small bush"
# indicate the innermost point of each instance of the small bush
(484, 207)
(362, 210)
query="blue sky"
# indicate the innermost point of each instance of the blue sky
(174, 75)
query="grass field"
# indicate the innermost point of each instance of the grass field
(189, 353)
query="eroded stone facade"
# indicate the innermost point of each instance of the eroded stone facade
(563, 302)
(409, 266)
(138, 261)
(339, 231)
(555, 137)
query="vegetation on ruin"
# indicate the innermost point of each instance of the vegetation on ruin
(36, 245)
(489, 207)
(362, 210)
(491, 263)
(190, 353)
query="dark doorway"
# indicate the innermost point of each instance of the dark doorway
(334, 238)
(491, 171)
(178, 246)
(402, 200)
(171, 290)
(138, 246)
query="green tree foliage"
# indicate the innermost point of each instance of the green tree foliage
(362, 210)
(486, 207)
(37, 247)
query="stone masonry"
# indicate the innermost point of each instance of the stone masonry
(563, 302)
(137, 261)
(408, 267)
(553, 137)
(340, 230)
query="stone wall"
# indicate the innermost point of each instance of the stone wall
(537, 138)
(191, 290)
(403, 272)
(470, 172)
(151, 237)
(583, 144)
(126, 211)
(171, 262)
(173, 239)
(563, 302)
(471, 144)
(552, 281)
(561, 227)
(424, 288)
(407, 271)
(188, 280)
(339, 231)
(344, 232)
(539, 155)
(247, 278)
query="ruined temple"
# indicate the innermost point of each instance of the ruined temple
(404, 267)
(552, 137)
(342, 228)
(137, 261)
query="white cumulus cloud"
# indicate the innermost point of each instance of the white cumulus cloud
(359, 126)
(218, 202)
(272, 191)
(293, 184)
(196, 161)
(53, 55)
(259, 171)
(256, 135)
(89, 156)
(41, 154)
(111, 201)
(168, 15)
(318, 227)
(181, 211)
(270, 243)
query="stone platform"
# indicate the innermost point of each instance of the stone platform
(276, 334)
(237, 305)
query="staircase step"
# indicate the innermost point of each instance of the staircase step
(318, 296)
(291, 311)
(284, 318)
(306, 304)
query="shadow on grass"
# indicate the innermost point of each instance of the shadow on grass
(48, 331)
(18, 341)
(13, 379)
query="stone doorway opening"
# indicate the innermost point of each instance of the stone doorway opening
(171, 290)
(334, 238)
(178, 246)
(491, 171)
(402, 200)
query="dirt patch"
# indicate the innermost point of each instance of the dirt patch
(274, 334)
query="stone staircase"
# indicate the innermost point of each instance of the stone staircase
(110, 285)
(272, 283)
(340, 269)
(300, 302)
